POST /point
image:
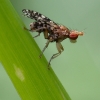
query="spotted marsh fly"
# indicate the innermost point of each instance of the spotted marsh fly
(52, 31)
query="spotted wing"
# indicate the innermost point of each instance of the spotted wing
(38, 17)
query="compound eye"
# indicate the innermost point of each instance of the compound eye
(73, 36)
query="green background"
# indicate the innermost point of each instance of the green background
(78, 67)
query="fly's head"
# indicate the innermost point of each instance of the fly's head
(74, 34)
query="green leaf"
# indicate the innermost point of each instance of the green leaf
(19, 56)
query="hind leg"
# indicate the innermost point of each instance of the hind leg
(60, 49)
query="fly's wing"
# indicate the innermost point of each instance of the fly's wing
(38, 17)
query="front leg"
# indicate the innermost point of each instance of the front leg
(60, 49)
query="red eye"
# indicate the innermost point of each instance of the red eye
(73, 36)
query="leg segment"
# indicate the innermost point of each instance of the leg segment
(37, 35)
(60, 49)
(44, 48)
(26, 29)
(45, 34)
(36, 30)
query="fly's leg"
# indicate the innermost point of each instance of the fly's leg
(60, 49)
(37, 35)
(45, 33)
(26, 29)
(53, 56)
(44, 48)
(46, 37)
(35, 30)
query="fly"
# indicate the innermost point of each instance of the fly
(52, 31)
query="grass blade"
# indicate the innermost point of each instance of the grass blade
(19, 56)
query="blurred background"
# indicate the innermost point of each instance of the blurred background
(78, 67)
